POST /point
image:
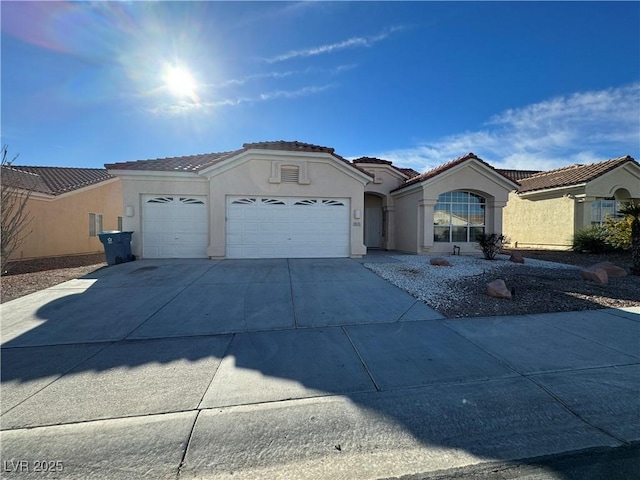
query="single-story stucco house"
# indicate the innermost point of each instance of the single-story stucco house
(549, 207)
(291, 199)
(66, 207)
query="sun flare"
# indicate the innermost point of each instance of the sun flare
(180, 82)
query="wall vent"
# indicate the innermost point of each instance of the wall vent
(290, 174)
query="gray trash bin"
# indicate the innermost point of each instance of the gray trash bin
(117, 246)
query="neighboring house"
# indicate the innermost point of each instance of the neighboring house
(549, 207)
(67, 208)
(293, 199)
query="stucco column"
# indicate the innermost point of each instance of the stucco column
(217, 222)
(425, 224)
(494, 214)
(390, 232)
(582, 209)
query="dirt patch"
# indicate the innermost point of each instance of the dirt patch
(28, 276)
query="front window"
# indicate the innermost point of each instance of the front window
(458, 217)
(95, 224)
(603, 208)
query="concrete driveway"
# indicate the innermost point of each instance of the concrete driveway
(297, 369)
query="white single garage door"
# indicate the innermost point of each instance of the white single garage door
(287, 227)
(174, 226)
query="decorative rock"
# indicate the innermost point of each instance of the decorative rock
(498, 289)
(440, 262)
(611, 269)
(597, 275)
(516, 257)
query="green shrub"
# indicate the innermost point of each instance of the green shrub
(619, 232)
(490, 244)
(592, 239)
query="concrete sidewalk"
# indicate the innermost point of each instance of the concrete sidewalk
(310, 384)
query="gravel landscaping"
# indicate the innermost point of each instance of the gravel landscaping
(538, 286)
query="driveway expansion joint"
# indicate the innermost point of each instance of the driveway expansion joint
(573, 412)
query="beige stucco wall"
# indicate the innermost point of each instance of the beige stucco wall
(60, 225)
(251, 177)
(549, 219)
(470, 176)
(539, 222)
(386, 178)
(134, 187)
(407, 221)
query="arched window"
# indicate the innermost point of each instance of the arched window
(458, 217)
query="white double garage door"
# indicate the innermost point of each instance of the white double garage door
(256, 227)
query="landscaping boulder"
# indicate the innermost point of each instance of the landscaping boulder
(516, 257)
(611, 269)
(597, 275)
(498, 289)
(440, 262)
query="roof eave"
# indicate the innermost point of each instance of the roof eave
(542, 191)
(123, 173)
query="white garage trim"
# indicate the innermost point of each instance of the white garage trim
(174, 226)
(287, 227)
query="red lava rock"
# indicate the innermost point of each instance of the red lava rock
(440, 262)
(597, 275)
(498, 289)
(611, 269)
(516, 257)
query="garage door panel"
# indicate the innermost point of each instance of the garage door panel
(175, 227)
(285, 227)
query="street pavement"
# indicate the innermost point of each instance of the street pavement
(299, 368)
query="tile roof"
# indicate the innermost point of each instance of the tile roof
(571, 175)
(188, 163)
(517, 175)
(409, 172)
(53, 180)
(288, 146)
(195, 163)
(444, 167)
(373, 160)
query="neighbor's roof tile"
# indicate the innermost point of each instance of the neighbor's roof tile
(53, 180)
(409, 172)
(571, 175)
(517, 175)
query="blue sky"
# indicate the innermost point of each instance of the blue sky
(522, 85)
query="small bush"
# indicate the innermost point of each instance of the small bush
(592, 239)
(490, 244)
(619, 232)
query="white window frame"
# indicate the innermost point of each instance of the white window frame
(95, 224)
(467, 225)
(596, 207)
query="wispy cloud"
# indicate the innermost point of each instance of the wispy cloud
(353, 42)
(580, 128)
(191, 107)
(277, 75)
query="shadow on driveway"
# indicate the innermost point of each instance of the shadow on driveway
(268, 366)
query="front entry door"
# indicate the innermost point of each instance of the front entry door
(373, 227)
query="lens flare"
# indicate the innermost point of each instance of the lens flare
(180, 82)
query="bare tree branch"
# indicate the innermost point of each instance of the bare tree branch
(16, 188)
